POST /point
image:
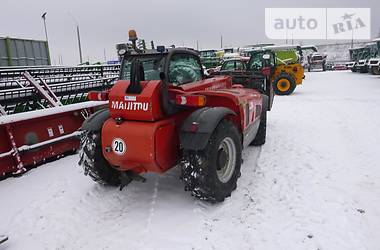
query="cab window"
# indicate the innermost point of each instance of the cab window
(233, 65)
(256, 61)
(151, 66)
(184, 69)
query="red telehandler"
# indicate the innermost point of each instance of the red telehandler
(164, 112)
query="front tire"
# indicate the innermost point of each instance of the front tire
(211, 174)
(284, 84)
(94, 163)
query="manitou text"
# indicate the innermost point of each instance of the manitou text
(130, 105)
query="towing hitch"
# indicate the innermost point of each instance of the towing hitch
(127, 177)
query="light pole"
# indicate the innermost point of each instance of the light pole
(47, 40)
(79, 45)
(44, 18)
(78, 37)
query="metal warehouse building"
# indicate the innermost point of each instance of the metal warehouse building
(23, 52)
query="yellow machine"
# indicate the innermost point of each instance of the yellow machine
(286, 78)
(287, 71)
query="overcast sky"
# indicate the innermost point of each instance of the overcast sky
(105, 23)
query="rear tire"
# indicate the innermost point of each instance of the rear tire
(94, 163)
(262, 132)
(284, 84)
(375, 70)
(211, 174)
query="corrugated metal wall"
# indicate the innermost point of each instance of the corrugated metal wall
(22, 52)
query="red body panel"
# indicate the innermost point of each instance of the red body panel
(220, 92)
(150, 146)
(152, 142)
(141, 107)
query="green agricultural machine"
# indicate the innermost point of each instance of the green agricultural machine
(211, 58)
(374, 62)
(354, 55)
(364, 56)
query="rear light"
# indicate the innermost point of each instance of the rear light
(97, 96)
(265, 71)
(295, 69)
(194, 127)
(191, 100)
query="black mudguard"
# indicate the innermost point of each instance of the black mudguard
(96, 120)
(207, 120)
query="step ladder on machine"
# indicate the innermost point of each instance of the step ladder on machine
(43, 89)
(2, 111)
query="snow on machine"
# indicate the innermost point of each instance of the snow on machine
(163, 112)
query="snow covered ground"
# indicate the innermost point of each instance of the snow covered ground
(315, 184)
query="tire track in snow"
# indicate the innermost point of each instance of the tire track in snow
(172, 211)
(152, 205)
(226, 225)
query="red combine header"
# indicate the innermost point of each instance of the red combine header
(41, 110)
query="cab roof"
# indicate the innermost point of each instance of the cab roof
(357, 48)
(282, 47)
(244, 59)
(312, 47)
(156, 52)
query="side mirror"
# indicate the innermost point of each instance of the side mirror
(122, 52)
(266, 56)
(121, 49)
